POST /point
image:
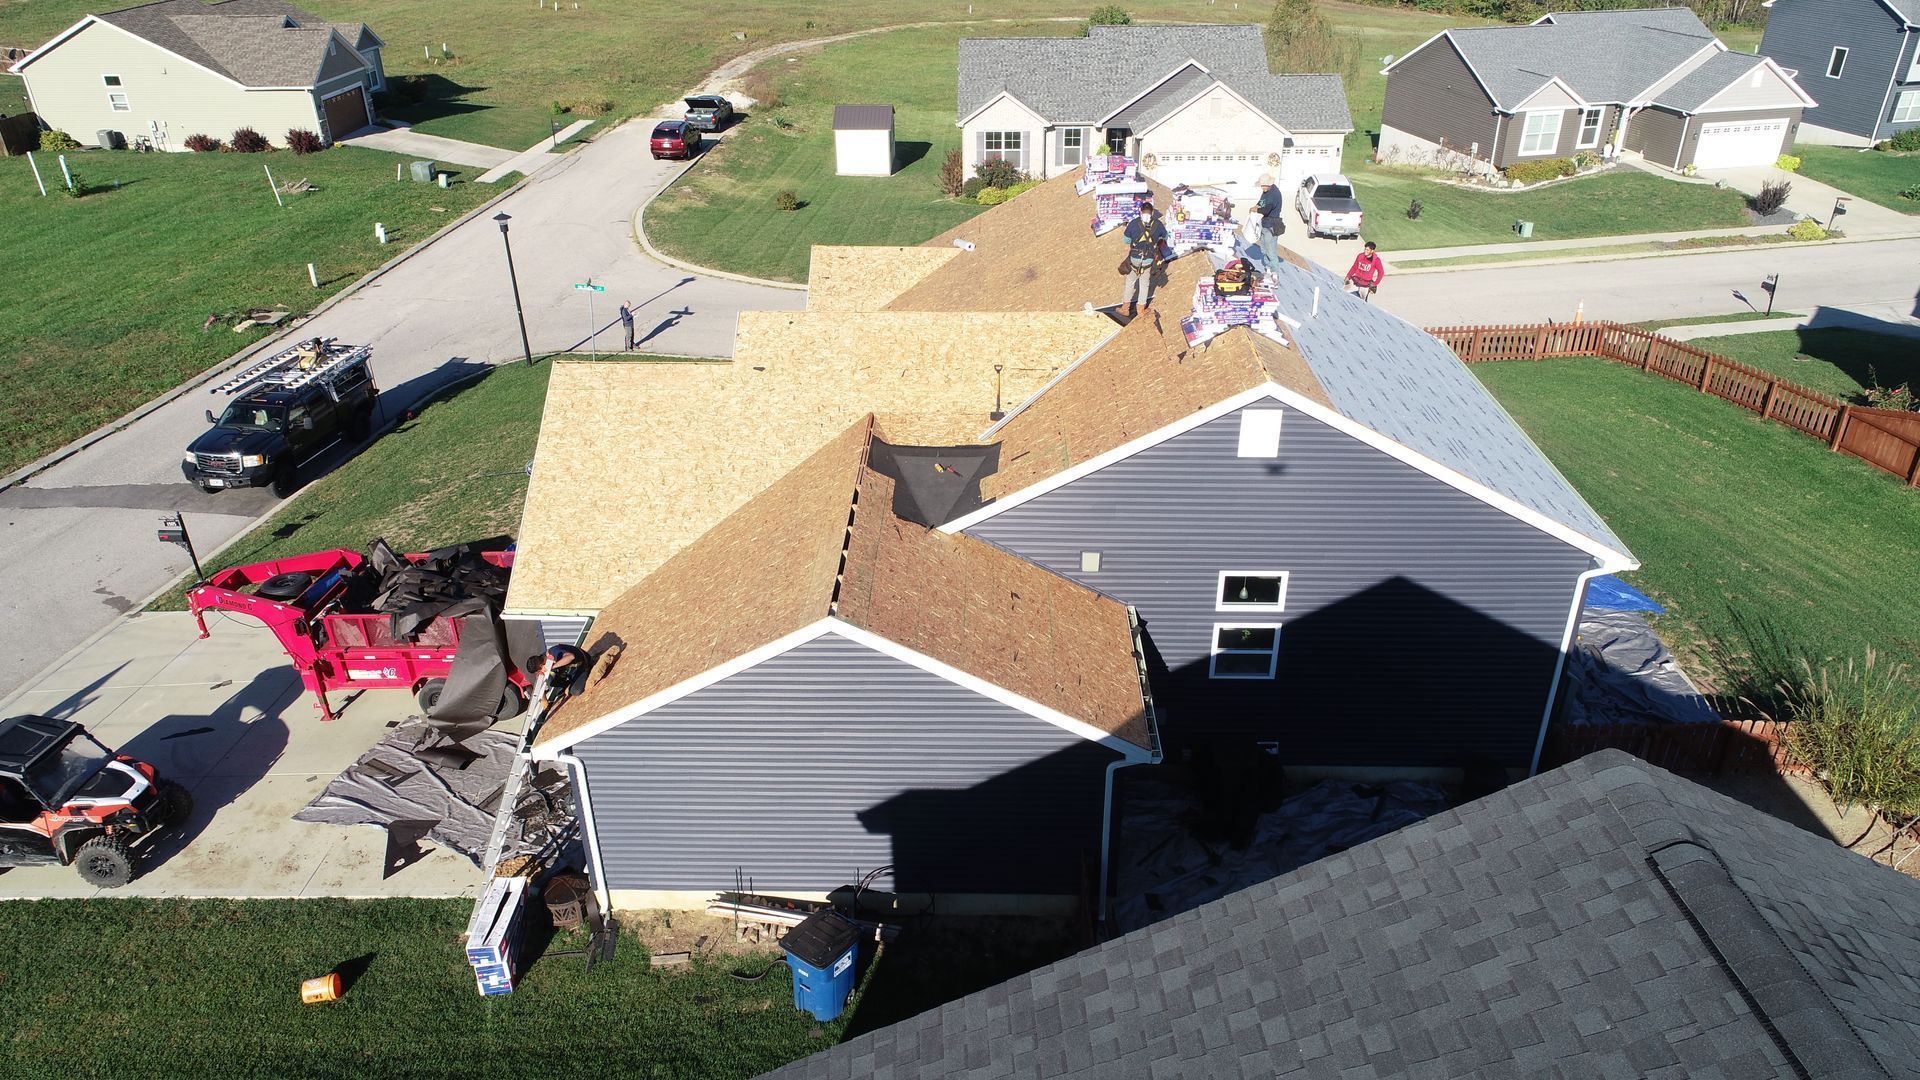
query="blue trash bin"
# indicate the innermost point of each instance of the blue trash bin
(821, 952)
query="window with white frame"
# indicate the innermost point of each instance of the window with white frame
(1837, 63)
(1073, 145)
(1906, 107)
(1589, 128)
(1004, 146)
(1244, 651)
(116, 94)
(1913, 72)
(1541, 133)
(1251, 590)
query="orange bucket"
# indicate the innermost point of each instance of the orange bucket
(320, 988)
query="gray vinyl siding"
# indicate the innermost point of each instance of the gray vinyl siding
(344, 61)
(1433, 95)
(1801, 35)
(831, 760)
(1421, 625)
(1693, 130)
(1655, 134)
(1516, 126)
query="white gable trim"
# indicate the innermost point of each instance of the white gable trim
(92, 20)
(990, 102)
(1151, 87)
(1677, 72)
(1801, 96)
(1615, 561)
(1204, 91)
(681, 689)
(55, 43)
(986, 689)
(1552, 82)
(346, 46)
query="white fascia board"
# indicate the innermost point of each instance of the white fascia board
(990, 102)
(680, 689)
(1552, 82)
(49, 46)
(980, 686)
(1475, 72)
(1050, 384)
(557, 613)
(1800, 92)
(1680, 69)
(1412, 51)
(334, 35)
(1204, 91)
(1118, 453)
(1801, 98)
(378, 41)
(1151, 87)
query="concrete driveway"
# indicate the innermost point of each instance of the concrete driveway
(80, 535)
(1811, 198)
(429, 147)
(228, 718)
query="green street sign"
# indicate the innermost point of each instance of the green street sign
(589, 287)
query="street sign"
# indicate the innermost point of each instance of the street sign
(588, 286)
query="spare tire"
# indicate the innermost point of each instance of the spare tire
(285, 586)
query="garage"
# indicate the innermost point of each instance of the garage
(1742, 142)
(346, 113)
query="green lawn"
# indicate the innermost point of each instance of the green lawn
(106, 294)
(1644, 247)
(1613, 203)
(1732, 517)
(1834, 361)
(1875, 175)
(210, 988)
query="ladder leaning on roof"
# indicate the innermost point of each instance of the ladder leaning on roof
(284, 369)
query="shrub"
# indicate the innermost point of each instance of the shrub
(1889, 397)
(972, 188)
(1771, 197)
(1859, 727)
(1806, 229)
(1534, 172)
(1104, 149)
(1584, 160)
(998, 172)
(1904, 141)
(58, 140)
(993, 196)
(248, 141)
(953, 175)
(1413, 210)
(1110, 15)
(202, 144)
(1910, 193)
(302, 141)
(586, 106)
(77, 188)
(786, 202)
(1788, 163)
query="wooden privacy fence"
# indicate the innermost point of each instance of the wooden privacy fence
(1730, 746)
(19, 134)
(1887, 439)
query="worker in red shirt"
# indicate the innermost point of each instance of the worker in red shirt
(1367, 272)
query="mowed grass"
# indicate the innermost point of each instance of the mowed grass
(1837, 361)
(1875, 175)
(1732, 517)
(106, 294)
(210, 988)
(1621, 201)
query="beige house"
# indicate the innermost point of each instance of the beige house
(161, 72)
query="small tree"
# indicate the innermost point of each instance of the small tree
(248, 141)
(1110, 15)
(1771, 197)
(302, 141)
(786, 202)
(998, 172)
(953, 175)
(1413, 210)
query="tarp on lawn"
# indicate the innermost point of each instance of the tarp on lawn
(1620, 672)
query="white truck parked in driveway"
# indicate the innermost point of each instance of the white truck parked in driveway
(1327, 207)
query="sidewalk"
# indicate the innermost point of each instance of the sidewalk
(535, 157)
(1880, 319)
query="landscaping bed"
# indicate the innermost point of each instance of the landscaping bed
(1875, 175)
(107, 293)
(1735, 519)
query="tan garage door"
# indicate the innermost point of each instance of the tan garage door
(346, 113)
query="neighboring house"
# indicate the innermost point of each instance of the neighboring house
(1861, 56)
(1654, 82)
(863, 140)
(821, 685)
(164, 71)
(1195, 104)
(1606, 919)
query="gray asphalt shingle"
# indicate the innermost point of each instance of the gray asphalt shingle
(247, 41)
(1742, 947)
(1720, 71)
(1606, 56)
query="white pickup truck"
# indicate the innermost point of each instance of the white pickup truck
(1327, 207)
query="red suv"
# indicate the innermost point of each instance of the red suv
(674, 139)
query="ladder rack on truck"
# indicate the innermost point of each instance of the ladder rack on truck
(295, 367)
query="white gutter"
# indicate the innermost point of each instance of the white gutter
(1493, 152)
(1566, 642)
(1881, 116)
(585, 798)
(1681, 148)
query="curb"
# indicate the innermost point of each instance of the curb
(640, 234)
(1549, 260)
(47, 461)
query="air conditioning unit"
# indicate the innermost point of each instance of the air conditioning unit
(110, 140)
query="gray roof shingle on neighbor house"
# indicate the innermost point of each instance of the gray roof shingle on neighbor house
(1605, 919)
(1081, 80)
(1404, 383)
(247, 41)
(863, 118)
(1604, 55)
(1718, 72)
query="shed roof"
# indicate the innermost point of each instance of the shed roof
(1605, 56)
(863, 118)
(1603, 919)
(253, 42)
(823, 542)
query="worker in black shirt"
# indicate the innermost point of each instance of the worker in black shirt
(566, 667)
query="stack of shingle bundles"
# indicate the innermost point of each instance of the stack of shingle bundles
(1214, 314)
(1116, 204)
(1105, 169)
(492, 933)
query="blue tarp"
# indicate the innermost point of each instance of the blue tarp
(1611, 594)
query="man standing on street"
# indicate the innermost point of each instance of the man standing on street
(626, 323)
(1272, 210)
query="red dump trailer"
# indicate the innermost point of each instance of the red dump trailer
(314, 604)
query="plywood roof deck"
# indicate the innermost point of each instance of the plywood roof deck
(868, 278)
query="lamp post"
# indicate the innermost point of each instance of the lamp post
(525, 348)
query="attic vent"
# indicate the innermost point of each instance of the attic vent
(1260, 433)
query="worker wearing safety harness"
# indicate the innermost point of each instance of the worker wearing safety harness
(1146, 239)
(562, 673)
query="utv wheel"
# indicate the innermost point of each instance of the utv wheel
(285, 482)
(104, 861)
(176, 803)
(284, 586)
(360, 425)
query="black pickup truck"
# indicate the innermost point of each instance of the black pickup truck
(280, 415)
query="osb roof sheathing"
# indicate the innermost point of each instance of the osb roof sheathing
(867, 278)
(1035, 252)
(1144, 379)
(775, 566)
(635, 460)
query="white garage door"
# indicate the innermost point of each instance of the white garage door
(1745, 142)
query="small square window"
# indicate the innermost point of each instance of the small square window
(1244, 651)
(110, 80)
(1906, 107)
(1089, 562)
(1251, 590)
(118, 102)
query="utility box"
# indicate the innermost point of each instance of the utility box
(821, 952)
(423, 171)
(1524, 228)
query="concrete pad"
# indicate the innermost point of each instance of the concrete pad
(429, 147)
(149, 645)
(88, 706)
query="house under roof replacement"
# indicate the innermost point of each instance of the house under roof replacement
(1606, 919)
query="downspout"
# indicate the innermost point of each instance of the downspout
(1493, 152)
(1154, 757)
(1873, 136)
(1681, 147)
(600, 889)
(1560, 665)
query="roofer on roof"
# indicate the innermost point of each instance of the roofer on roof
(567, 677)
(1146, 242)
